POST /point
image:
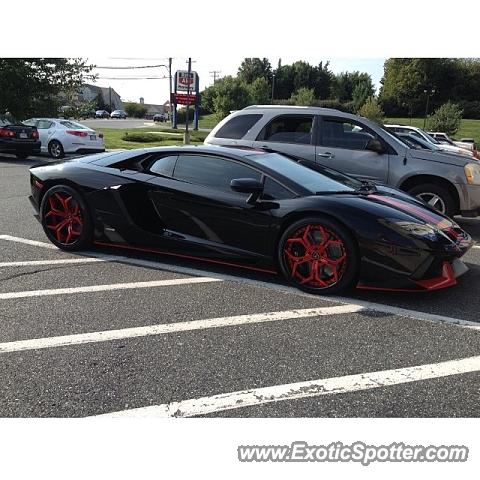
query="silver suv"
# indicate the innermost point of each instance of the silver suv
(359, 147)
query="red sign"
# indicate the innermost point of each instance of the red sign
(184, 99)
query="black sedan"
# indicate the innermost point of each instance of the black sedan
(18, 139)
(254, 209)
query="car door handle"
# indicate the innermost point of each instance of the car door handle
(326, 155)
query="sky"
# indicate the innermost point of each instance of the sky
(156, 90)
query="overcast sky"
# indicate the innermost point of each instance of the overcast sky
(156, 90)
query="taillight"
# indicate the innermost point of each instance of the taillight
(7, 133)
(35, 134)
(100, 135)
(77, 133)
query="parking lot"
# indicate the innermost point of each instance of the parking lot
(110, 332)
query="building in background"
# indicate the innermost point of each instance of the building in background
(153, 109)
(89, 93)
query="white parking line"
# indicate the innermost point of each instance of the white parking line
(378, 307)
(166, 328)
(104, 288)
(301, 390)
(34, 243)
(33, 263)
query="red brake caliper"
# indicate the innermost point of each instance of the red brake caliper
(315, 256)
(64, 217)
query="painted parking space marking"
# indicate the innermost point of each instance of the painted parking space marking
(104, 288)
(158, 265)
(26, 241)
(166, 328)
(301, 390)
(34, 263)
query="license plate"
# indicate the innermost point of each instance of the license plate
(93, 137)
(23, 135)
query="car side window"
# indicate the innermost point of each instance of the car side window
(213, 172)
(338, 133)
(238, 126)
(164, 166)
(44, 124)
(272, 190)
(288, 129)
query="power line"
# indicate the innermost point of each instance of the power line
(132, 78)
(132, 67)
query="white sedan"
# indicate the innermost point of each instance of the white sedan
(59, 136)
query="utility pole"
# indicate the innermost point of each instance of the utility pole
(186, 136)
(427, 93)
(214, 74)
(110, 92)
(174, 123)
(273, 86)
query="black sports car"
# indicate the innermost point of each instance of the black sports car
(323, 230)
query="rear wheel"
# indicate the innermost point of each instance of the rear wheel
(436, 196)
(55, 149)
(318, 255)
(65, 218)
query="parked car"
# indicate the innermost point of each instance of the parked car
(445, 139)
(59, 136)
(160, 117)
(18, 139)
(427, 137)
(324, 231)
(418, 143)
(102, 114)
(118, 114)
(360, 148)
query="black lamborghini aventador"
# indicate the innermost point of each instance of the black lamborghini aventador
(324, 231)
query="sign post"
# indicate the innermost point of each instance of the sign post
(186, 92)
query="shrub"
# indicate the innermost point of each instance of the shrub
(142, 137)
(304, 97)
(446, 119)
(371, 110)
(136, 110)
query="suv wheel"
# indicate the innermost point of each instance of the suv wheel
(437, 197)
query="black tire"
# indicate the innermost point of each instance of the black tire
(427, 190)
(80, 234)
(344, 246)
(22, 156)
(55, 149)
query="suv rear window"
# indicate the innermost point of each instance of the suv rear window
(238, 126)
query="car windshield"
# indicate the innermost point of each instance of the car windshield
(392, 134)
(4, 122)
(322, 179)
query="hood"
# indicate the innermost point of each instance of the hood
(441, 157)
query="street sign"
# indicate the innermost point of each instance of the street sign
(186, 82)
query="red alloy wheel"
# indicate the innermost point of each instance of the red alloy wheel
(63, 217)
(315, 256)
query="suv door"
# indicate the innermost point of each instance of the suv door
(341, 144)
(292, 134)
(199, 204)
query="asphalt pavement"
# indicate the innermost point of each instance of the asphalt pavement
(108, 332)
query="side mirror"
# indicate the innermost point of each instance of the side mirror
(375, 146)
(248, 185)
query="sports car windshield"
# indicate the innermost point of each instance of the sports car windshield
(323, 180)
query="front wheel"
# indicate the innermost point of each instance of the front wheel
(318, 255)
(436, 197)
(65, 218)
(55, 149)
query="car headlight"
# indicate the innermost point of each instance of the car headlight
(472, 172)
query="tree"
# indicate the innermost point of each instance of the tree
(35, 86)
(323, 81)
(206, 99)
(446, 119)
(304, 97)
(136, 110)
(260, 91)
(253, 68)
(345, 83)
(371, 110)
(360, 94)
(284, 79)
(99, 103)
(232, 94)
